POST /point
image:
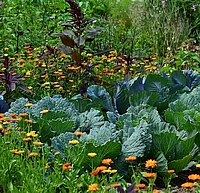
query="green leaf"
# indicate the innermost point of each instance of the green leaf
(184, 147)
(162, 165)
(83, 105)
(60, 126)
(155, 83)
(180, 164)
(109, 150)
(179, 119)
(143, 98)
(164, 142)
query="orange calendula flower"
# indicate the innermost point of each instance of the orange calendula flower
(94, 172)
(140, 185)
(150, 175)
(194, 177)
(187, 185)
(12, 114)
(93, 187)
(92, 154)
(156, 191)
(78, 133)
(131, 158)
(37, 143)
(73, 142)
(66, 166)
(151, 163)
(27, 139)
(107, 161)
(32, 154)
(29, 121)
(23, 114)
(171, 171)
(115, 185)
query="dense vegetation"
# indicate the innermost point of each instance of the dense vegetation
(99, 95)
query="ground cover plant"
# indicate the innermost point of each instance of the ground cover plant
(101, 106)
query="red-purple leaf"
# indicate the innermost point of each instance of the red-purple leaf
(67, 41)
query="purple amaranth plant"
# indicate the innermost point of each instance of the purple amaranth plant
(1, 3)
(74, 39)
(130, 189)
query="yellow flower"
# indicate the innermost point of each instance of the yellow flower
(57, 153)
(92, 187)
(113, 171)
(28, 105)
(151, 163)
(78, 133)
(73, 142)
(19, 152)
(13, 150)
(44, 111)
(198, 166)
(37, 143)
(92, 154)
(31, 134)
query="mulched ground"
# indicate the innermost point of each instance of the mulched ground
(176, 182)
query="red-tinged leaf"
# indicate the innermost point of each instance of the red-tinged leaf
(76, 57)
(67, 41)
(23, 87)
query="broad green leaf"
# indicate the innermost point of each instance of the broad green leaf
(164, 142)
(155, 83)
(180, 164)
(162, 166)
(60, 126)
(109, 150)
(184, 147)
(143, 98)
(179, 119)
(83, 105)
